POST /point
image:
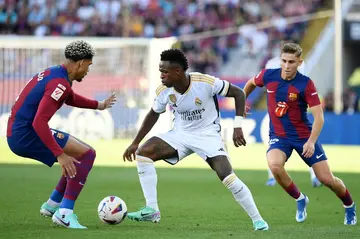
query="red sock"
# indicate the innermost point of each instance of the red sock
(61, 186)
(346, 198)
(75, 185)
(293, 191)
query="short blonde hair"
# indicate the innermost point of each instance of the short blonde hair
(292, 48)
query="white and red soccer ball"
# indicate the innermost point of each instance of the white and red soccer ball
(112, 210)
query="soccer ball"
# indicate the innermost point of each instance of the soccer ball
(112, 210)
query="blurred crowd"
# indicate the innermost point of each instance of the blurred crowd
(161, 18)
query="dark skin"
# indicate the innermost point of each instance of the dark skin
(173, 75)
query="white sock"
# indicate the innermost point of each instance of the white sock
(312, 173)
(242, 195)
(65, 211)
(270, 174)
(302, 196)
(148, 180)
(52, 203)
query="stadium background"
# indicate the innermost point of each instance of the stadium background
(231, 39)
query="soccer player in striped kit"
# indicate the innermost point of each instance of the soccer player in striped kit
(289, 93)
(29, 135)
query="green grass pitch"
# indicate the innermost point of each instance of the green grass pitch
(194, 203)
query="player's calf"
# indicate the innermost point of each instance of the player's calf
(75, 185)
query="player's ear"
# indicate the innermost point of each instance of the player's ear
(300, 61)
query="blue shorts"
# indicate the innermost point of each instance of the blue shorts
(287, 146)
(26, 143)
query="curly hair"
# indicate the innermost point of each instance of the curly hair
(175, 56)
(79, 50)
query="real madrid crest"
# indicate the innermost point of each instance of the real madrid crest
(293, 96)
(198, 102)
(172, 98)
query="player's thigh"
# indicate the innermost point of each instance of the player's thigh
(278, 152)
(165, 146)
(221, 165)
(206, 145)
(318, 156)
(28, 144)
(75, 147)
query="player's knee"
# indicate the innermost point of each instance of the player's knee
(147, 151)
(276, 169)
(222, 174)
(92, 153)
(326, 179)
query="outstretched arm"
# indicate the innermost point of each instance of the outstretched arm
(150, 119)
(239, 97)
(148, 123)
(79, 101)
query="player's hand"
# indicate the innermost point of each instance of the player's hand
(68, 165)
(238, 137)
(308, 149)
(107, 103)
(129, 153)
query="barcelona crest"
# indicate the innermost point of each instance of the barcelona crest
(60, 135)
(293, 96)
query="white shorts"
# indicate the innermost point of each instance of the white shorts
(205, 144)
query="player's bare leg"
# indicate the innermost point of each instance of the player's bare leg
(152, 150)
(68, 189)
(276, 161)
(221, 165)
(325, 176)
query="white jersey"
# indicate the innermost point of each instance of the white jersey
(196, 109)
(275, 63)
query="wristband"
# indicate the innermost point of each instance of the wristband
(238, 121)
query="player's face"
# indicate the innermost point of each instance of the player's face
(289, 64)
(82, 69)
(170, 74)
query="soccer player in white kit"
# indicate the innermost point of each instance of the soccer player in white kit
(196, 130)
(274, 63)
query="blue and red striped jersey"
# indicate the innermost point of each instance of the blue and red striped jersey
(287, 103)
(39, 100)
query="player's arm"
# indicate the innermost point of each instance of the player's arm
(318, 123)
(249, 87)
(312, 99)
(79, 101)
(224, 88)
(55, 93)
(239, 96)
(150, 120)
(251, 84)
(159, 106)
